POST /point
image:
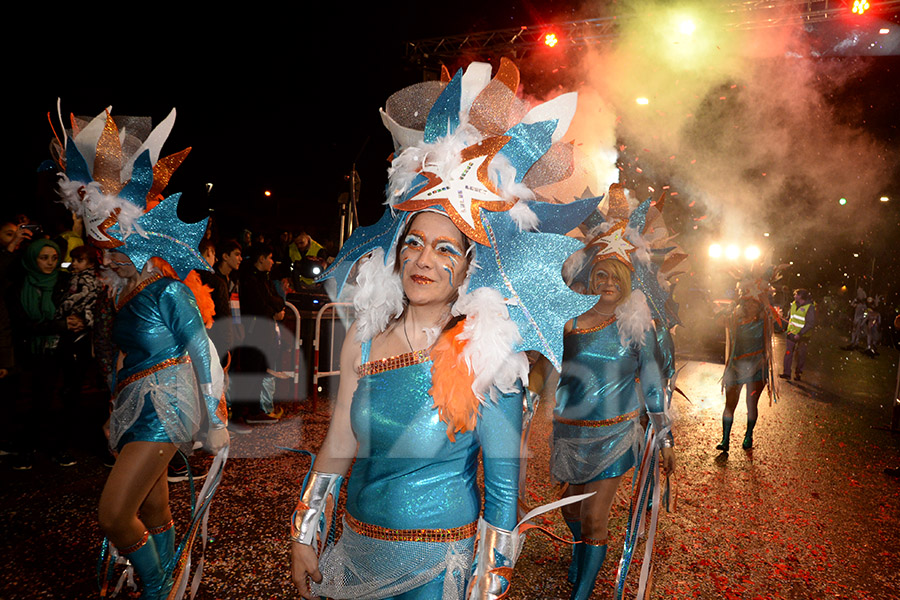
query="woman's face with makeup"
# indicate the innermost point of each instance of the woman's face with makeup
(433, 260)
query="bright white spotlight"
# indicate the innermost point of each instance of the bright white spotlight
(884, 198)
(732, 252)
(642, 101)
(686, 27)
(715, 251)
(751, 252)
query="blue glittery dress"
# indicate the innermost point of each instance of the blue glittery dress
(746, 357)
(409, 476)
(167, 353)
(596, 434)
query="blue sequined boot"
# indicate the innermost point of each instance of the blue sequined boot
(164, 537)
(591, 560)
(575, 528)
(726, 434)
(145, 559)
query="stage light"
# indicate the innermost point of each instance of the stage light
(884, 31)
(686, 27)
(860, 6)
(884, 198)
(732, 252)
(842, 201)
(715, 251)
(267, 193)
(551, 40)
(751, 252)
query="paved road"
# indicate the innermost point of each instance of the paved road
(807, 514)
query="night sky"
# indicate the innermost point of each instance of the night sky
(285, 101)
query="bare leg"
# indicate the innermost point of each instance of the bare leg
(137, 482)
(754, 391)
(732, 395)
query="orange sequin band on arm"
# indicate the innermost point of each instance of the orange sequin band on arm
(454, 534)
(603, 423)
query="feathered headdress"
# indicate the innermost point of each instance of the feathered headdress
(468, 148)
(640, 240)
(113, 177)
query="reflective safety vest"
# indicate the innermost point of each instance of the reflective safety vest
(798, 317)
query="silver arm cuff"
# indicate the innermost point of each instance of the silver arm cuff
(309, 513)
(661, 422)
(497, 548)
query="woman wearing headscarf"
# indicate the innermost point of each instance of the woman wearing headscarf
(38, 331)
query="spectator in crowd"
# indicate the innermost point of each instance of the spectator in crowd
(221, 332)
(11, 236)
(37, 327)
(304, 250)
(261, 309)
(81, 300)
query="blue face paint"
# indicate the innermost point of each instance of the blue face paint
(449, 273)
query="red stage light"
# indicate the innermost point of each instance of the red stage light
(551, 40)
(860, 6)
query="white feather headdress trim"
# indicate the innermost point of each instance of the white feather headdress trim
(377, 295)
(634, 319)
(491, 336)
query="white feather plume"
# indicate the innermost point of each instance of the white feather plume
(439, 158)
(491, 335)
(524, 217)
(634, 319)
(377, 296)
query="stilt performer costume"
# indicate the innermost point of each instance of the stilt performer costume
(169, 382)
(610, 373)
(468, 149)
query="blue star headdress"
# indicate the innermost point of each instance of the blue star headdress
(468, 148)
(113, 176)
(639, 239)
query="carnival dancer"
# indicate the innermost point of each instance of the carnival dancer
(167, 375)
(748, 358)
(612, 359)
(456, 287)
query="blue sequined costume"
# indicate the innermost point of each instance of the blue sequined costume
(596, 434)
(746, 357)
(167, 353)
(408, 476)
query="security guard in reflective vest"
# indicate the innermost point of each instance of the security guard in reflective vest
(801, 321)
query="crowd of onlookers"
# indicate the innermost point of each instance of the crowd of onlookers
(56, 314)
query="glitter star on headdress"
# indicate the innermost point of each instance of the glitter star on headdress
(613, 244)
(466, 191)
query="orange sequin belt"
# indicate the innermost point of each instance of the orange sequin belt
(393, 362)
(157, 367)
(411, 535)
(603, 423)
